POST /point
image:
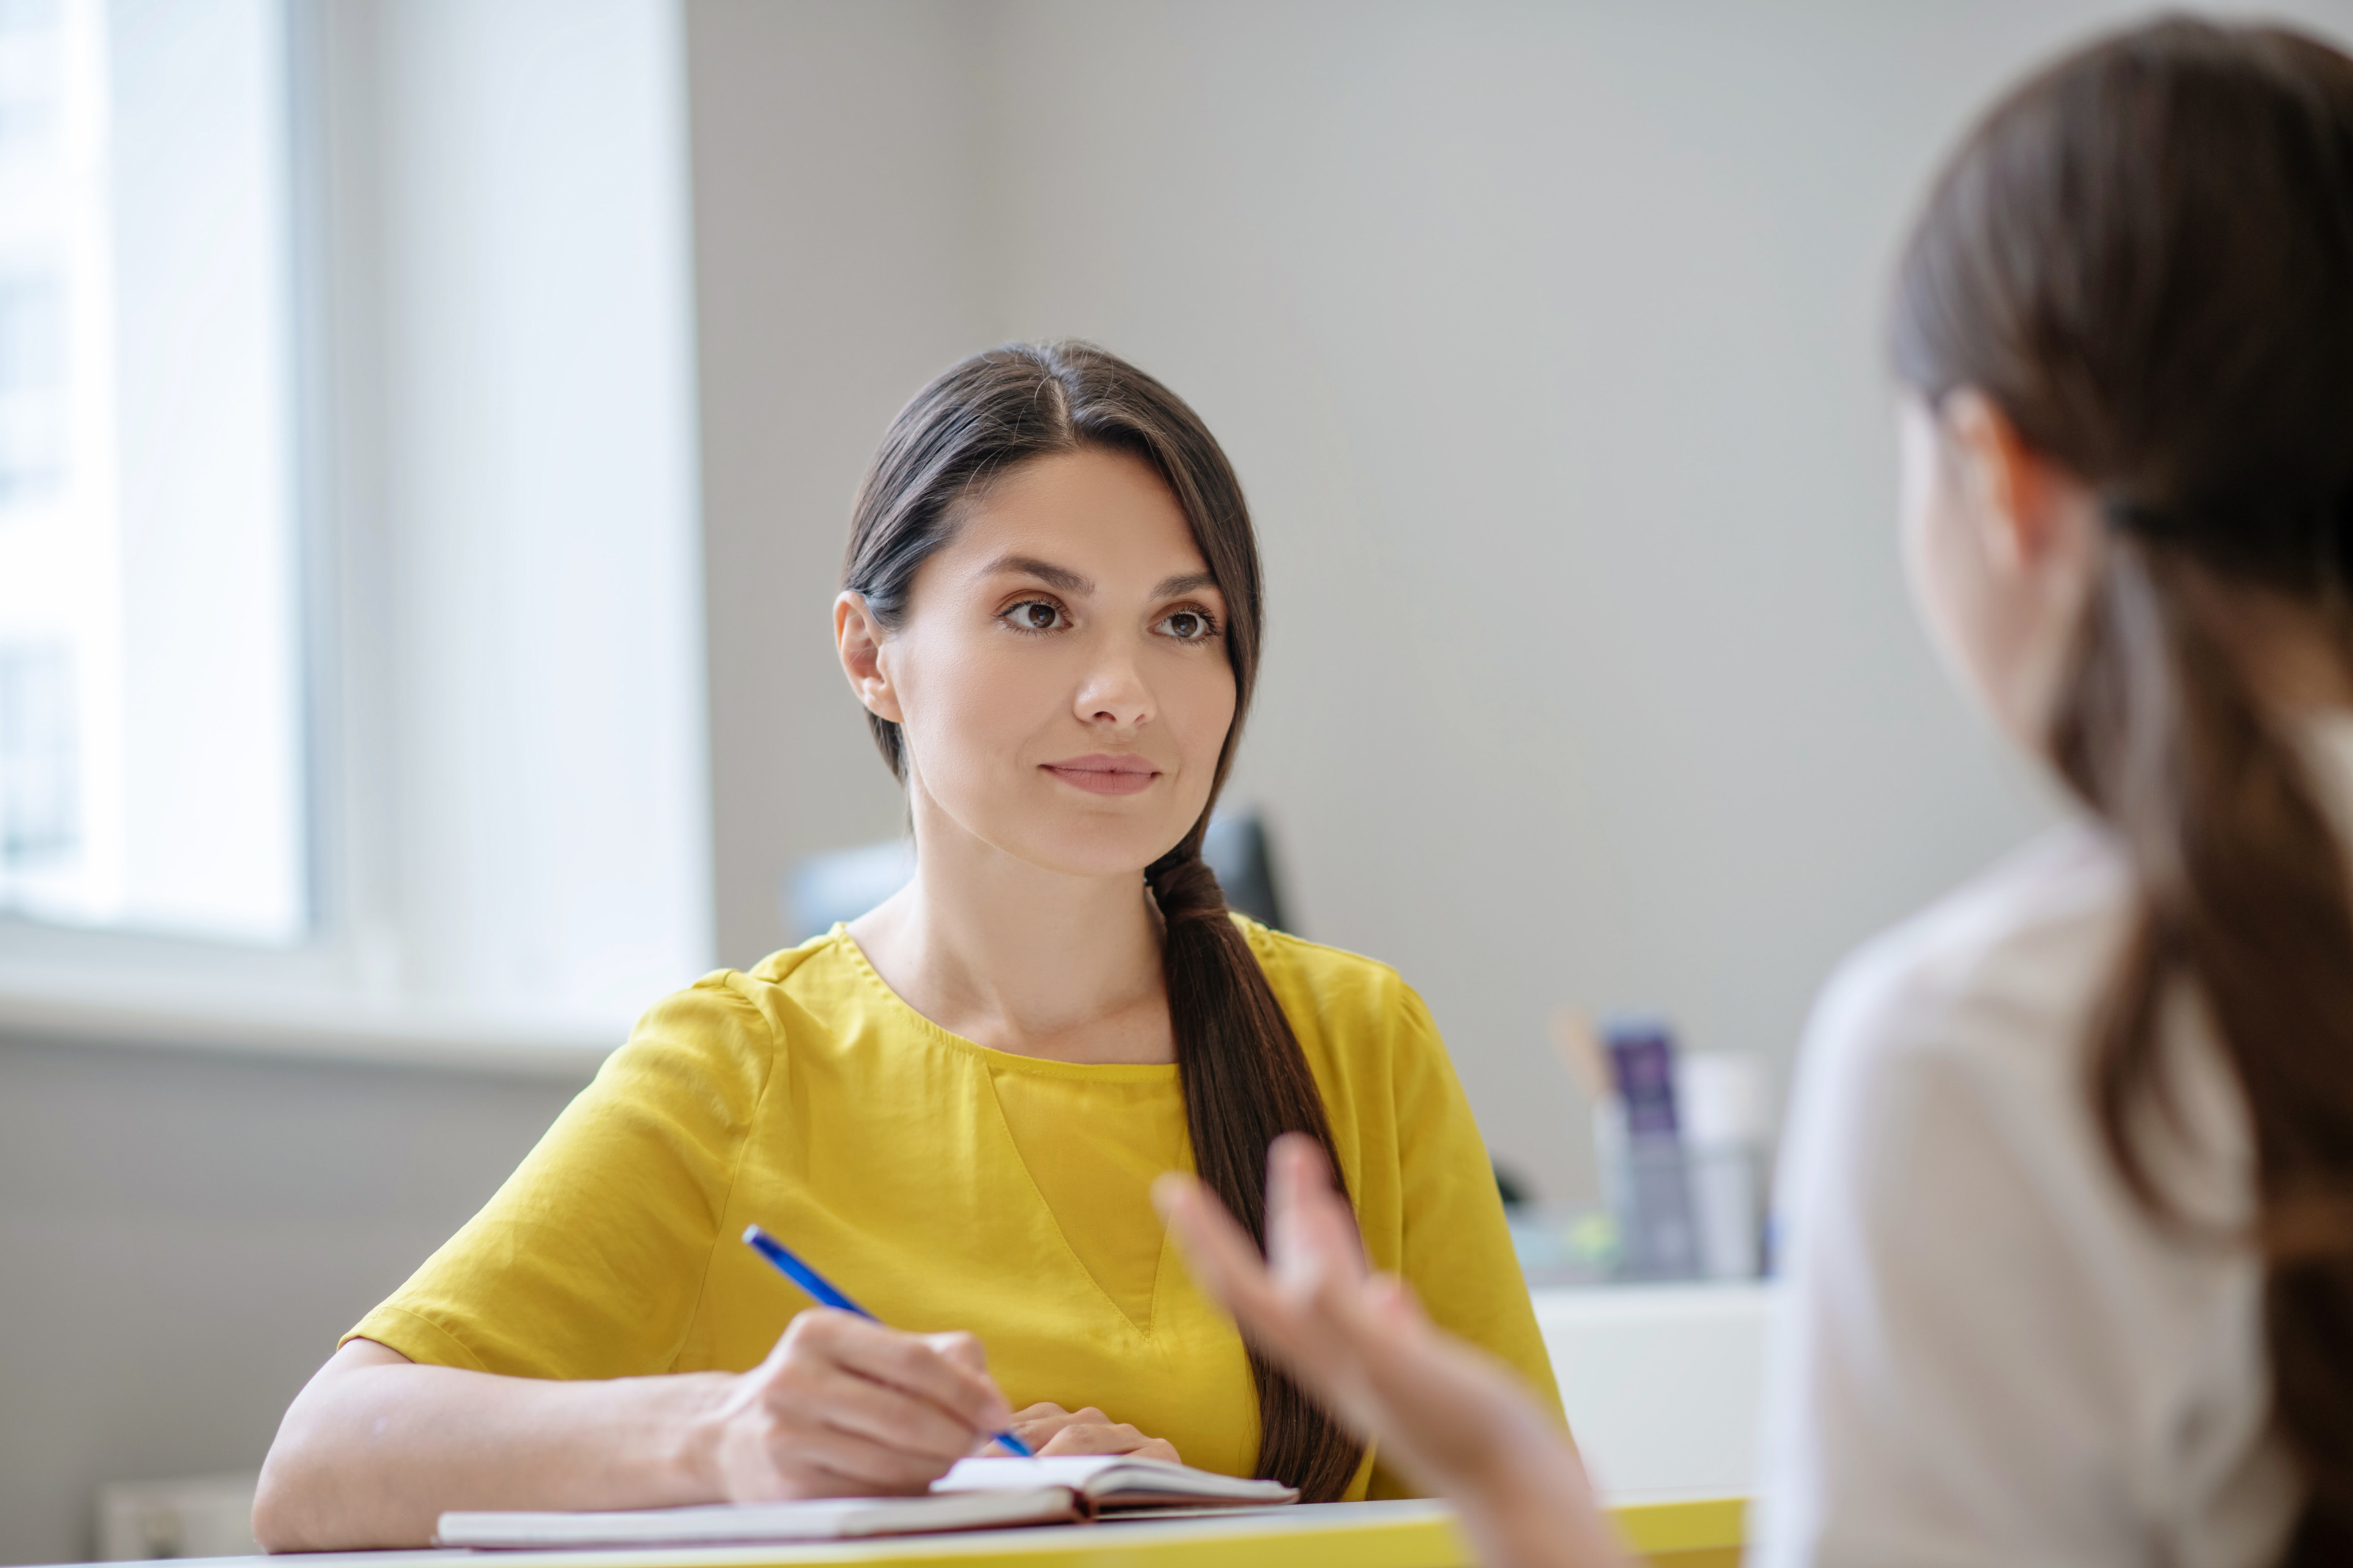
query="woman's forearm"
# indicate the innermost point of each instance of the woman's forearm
(1532, 1508)
(377, 1447)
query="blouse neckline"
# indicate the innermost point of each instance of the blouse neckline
(989, 1055)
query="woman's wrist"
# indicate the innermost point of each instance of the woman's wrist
(1531, 1506)
(691, 1433)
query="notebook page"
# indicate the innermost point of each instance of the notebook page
(1111, 1480)
(830, 1519)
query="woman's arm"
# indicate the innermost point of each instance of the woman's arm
(377, 1446)
(1453, 1417)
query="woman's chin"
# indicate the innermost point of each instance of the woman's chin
(1086, 850)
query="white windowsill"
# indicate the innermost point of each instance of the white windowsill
(317, 1029)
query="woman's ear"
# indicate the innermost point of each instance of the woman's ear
(857, 639)
(2021, 506)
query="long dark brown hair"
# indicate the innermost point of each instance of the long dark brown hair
(2144, 257)
(1246, 1080)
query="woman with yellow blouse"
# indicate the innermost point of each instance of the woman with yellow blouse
(954, 1107)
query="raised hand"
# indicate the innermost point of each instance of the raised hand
(1449, 1416)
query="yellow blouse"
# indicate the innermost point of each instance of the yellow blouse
(945, 1185)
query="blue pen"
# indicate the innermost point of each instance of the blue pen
(816, 1285)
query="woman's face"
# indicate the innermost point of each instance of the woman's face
(2000, 548)
(1060, 678)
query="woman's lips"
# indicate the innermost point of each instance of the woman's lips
(1105, 774)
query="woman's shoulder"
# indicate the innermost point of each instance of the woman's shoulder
(1971, 1024)
(2000, 972)
(1330, 973)
(738, 1024)
(1338, 999)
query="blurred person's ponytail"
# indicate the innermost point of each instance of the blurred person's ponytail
(2144, 257)
(1246, 1081)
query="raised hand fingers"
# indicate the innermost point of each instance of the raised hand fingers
(1218, 1250)
(1311, 1312)
(1310, 1231)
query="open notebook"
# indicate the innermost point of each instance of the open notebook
(978, 1494)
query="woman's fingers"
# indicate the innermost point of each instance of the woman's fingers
(1310, 1231)
(1315, 1309)
(1300, 1328)
(847, 1463)
(948, 1370)
(1091, 1432)
(1051, 1429)
(1218, 1249)
(1359, 1343)
(844, 1404)
(1293, 1307)
(878, 1413)
(1037, 1424)
(962, 1350)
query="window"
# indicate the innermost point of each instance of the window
(152, 760)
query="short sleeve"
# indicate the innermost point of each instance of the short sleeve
(1946, 1386)
(589, 1261)
(1458, 1253)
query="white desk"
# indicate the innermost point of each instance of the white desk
(1405, 1534)
(1662, 1383)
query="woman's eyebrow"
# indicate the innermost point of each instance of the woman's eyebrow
(1185, 582)
(1046, 572)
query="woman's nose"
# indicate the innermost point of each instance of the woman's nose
(1113, 693)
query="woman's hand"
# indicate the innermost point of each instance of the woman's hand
(1051, 1429)
(1451, 1418)
(846, 1407)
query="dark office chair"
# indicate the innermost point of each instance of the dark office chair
(846, 883)
(1236, 848)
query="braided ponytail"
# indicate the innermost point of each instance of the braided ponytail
(1245, 1079)
(1239, 1062)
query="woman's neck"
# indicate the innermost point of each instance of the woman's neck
(1020, 959)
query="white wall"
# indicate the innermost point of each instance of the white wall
(1544, 337)
(187, 1234)
(838, 186)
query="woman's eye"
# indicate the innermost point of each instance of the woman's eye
(1036, 616)
(1189, 625)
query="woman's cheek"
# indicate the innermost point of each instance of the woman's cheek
(950, 695)
(1201, 713)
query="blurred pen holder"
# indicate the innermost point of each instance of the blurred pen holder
(1683, 1211)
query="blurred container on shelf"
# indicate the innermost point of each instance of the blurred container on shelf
(1645, 1169)
(1679, 1140)
(1723, 1100)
